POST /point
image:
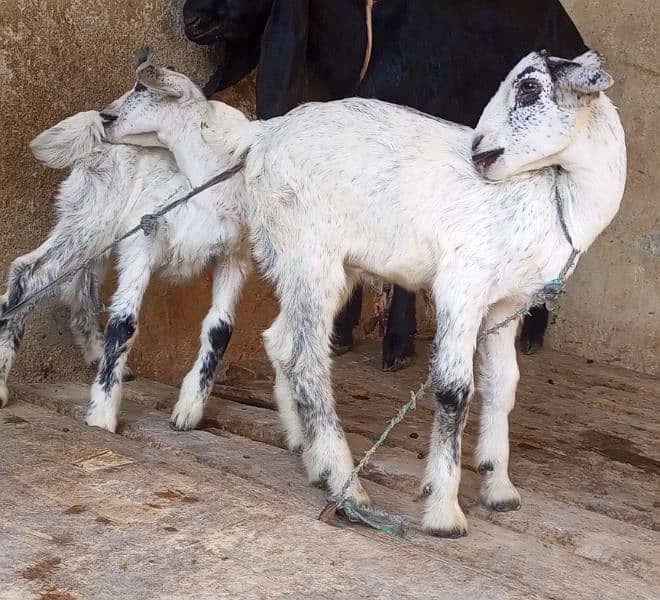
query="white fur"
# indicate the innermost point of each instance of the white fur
(362, 185)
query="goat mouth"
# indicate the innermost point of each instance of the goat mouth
(107, 119)
(202, 35)
(484, 160)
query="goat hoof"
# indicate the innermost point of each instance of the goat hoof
(338, 349)
(398, 352)
(450, 534)
(179, 421)
(101, 421)
(398, 365)
(530, 346)
(500, 495)
(506, 506)
(322, 482)
(444, 518)
(4, 395)
(128, 374)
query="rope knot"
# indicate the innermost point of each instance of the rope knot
(551, 291)
(149, 224)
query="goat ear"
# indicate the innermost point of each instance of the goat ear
(143, 55)
(282, 74)
(583, 74)
(240, 57)
(156, 79)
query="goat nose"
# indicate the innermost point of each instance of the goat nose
(475, 143)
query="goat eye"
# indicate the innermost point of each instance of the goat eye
(528, 91)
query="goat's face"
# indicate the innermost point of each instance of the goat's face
(209, 21)
(536, 113)
(146, 114)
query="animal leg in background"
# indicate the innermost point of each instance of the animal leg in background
(399, 340)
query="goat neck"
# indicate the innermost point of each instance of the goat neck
(594, 175)
(196, 159)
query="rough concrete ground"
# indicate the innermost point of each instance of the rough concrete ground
(225, 512)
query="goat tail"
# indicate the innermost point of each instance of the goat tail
(70, 140)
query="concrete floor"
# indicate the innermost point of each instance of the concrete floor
(225, 512)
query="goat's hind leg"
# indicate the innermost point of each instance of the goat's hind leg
(497, 382)
(11, 334)
(28, 274)
(283, 392)
(82, 297)
(300, 347)
(228, 280)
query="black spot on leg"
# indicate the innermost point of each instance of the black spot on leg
(118, 332)
(322, 482)
(452, 407)
(485, 467)
(219, 337)
(17, 286)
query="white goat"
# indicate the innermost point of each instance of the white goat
(483, 239)
(110, 187)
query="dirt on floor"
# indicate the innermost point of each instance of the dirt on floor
(226, 512)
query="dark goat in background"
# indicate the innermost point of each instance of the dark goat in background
(445, 58)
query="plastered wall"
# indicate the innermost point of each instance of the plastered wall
(61, 56)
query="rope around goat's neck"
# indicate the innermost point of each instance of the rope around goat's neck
(148, 224)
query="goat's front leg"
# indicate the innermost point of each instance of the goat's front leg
(228, 279)
(135, 266)
(497, 382)
(458, 320)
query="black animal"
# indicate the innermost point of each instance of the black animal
(443, 57)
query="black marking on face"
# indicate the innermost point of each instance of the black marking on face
(140, 87)
(525, 72)
(219, 337)
(118, 332)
